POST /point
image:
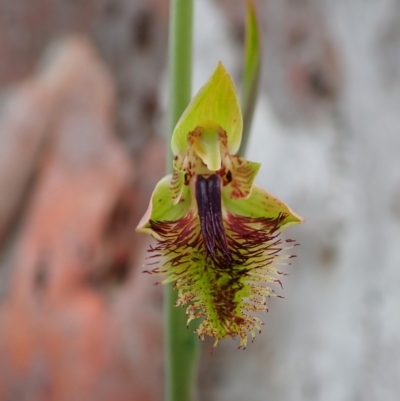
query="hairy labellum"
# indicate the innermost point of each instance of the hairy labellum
(220, 266)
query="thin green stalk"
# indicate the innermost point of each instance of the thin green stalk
(181, 344)
(180, 63)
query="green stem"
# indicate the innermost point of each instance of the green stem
(181, 344)
(180, 63)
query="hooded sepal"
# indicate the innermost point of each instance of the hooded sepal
(215, 105)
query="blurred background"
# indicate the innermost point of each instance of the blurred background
(83, 99)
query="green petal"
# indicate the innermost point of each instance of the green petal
(260, 204)
(177, 184)
(215, 105)
(161, 207)
(243, 174)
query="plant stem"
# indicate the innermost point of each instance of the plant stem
(180, 343)
(180, 63)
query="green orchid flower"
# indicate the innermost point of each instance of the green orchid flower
(217, 232)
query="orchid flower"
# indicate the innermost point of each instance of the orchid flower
(217, 232)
